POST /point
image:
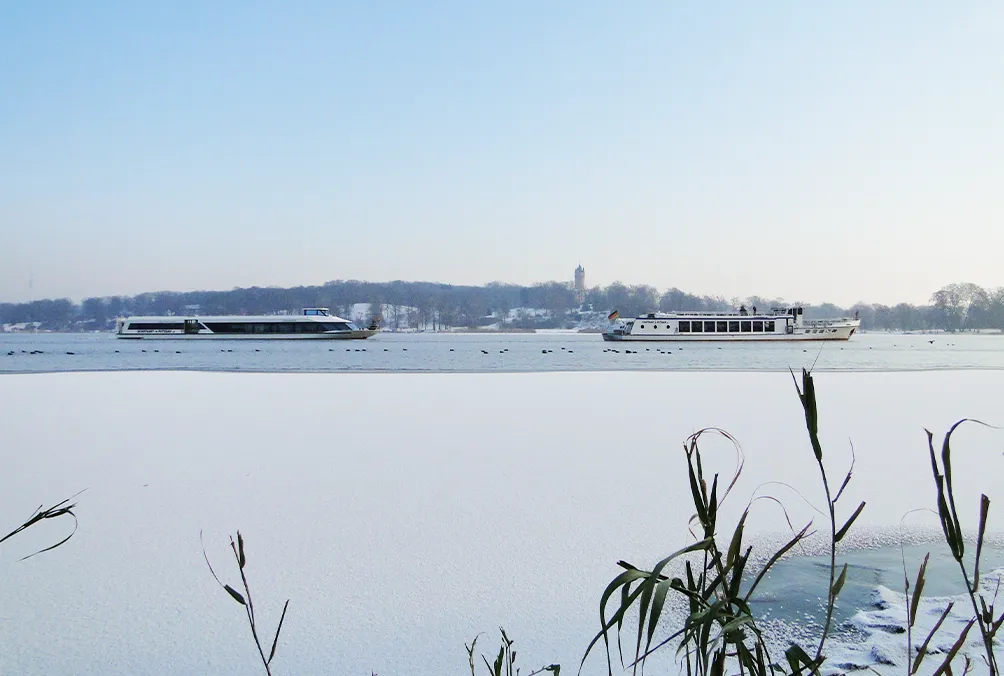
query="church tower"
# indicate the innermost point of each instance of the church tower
(580, 284)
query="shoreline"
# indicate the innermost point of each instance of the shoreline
(818, 369)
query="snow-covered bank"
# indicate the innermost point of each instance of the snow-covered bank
(405, 514)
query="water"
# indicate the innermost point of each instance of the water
(494, 353)
(797, 586)
(869, 619)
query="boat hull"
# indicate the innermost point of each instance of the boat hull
(839, 334)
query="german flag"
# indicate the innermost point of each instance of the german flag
(613, 315)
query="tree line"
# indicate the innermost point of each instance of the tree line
(427, 305)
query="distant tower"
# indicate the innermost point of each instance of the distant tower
(580, 284)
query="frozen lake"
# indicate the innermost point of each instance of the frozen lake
(494, 353)
(404, 514)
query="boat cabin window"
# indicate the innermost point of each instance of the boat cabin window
(709, 327)
(156, 326)
(768, 326)
(757, 326)
(747, 327)
(316, 311)
(684, 326)
(275, 327)
(733, 327)
(722, 327)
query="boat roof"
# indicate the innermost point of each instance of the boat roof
(702, 313)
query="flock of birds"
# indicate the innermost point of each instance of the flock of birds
(609, 350)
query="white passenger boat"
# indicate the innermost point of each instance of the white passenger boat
(778, 324)
(312, 324)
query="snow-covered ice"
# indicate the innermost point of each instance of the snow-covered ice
(403, 514)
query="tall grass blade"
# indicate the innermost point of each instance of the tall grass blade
(236, 594)
(60, 509)
(944, 514)
(946, 462)
(737, 576)
(918, 591)
(275, 641)
(470, 653)
(922, 651)
(737, 538)
(799, 660)
(807, 395)
(839, 584)
(774, 559)
(661, 590)
(713, 506)
(987, 616)
(643, 604)
(847, 525)
(498, 661)
(618, 582)
(655, 579)
(553, 668)
(697, 494)
(946, 665)
(625, 602)
(984, 512)
(847, 477)
(617, 619)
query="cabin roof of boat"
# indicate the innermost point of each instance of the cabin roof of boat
(774, 312)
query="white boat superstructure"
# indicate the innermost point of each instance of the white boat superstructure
(312, 324)
(778, 324)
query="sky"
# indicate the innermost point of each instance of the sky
(837, 152)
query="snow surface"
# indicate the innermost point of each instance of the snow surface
(404, 514)
(884, 625)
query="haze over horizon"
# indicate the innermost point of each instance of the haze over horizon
(837, 153)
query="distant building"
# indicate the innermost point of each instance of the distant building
(580, 284)
(20, 327)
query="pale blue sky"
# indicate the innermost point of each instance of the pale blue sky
(843, 151)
